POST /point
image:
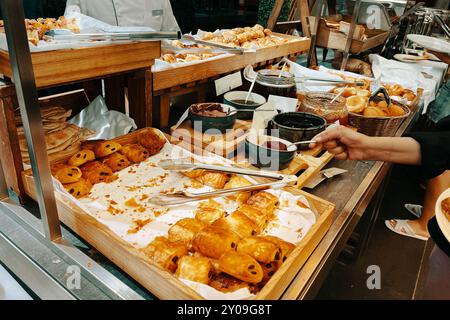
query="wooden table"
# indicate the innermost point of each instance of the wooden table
(352, 193)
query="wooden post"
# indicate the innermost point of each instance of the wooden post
(140, 87)
(275, 14)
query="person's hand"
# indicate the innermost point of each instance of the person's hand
(343, 142)
(442, 56)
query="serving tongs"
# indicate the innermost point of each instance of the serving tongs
(182, 197)
(378, 88)
(67, 35)
(232, 49)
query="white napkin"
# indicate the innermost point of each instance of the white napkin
(262, 118)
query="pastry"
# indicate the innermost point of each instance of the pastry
(215, 180)
(269, 270)
(209, 212)
(66, 174)
(264, 201)
(285, 247)
(258, 216)
(165, 254)
(445, 207)
(241, 266)
(135, 153)
(170, 58)
(214, 242)
(237, 182)
(81, 158)
(260, 249)
(96, 172)
(227, 284)
(151, 141)
(116, 162)
(185, 230)
(79, 189)
(106, 148)
(196, 269)
(356, 104)
(194, 174)
(238, 223)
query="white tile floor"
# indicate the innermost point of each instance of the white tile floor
(9, 288)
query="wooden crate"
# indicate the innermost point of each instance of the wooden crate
(161, 283)
(333, 39)
(66, 66)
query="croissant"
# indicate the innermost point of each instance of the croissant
(241, 266)
(214, 242)
(185, 230)
(165, 254)
(262, 250)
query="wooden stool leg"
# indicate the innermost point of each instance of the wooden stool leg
(10, 154)
(164, 111)
(140, 98)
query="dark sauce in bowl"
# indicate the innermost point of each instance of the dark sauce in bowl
(249, 103)
(275, 145)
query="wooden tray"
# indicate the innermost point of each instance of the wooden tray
(221, 144)
(178, 76)
(333, 39)
(161, 283)
(65, 66)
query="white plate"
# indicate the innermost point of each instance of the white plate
(409, 58)
(435, 44)
(442, 220)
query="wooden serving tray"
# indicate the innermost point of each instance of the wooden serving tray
(221, 144)
(170, 78)
(66, 66)
(158, 281)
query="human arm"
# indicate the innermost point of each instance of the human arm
(444, 57)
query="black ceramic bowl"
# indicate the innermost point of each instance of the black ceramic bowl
(297, 127)
(262, 156)
(212, 124)
(236, 99)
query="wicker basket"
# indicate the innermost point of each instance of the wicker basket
(378, 126)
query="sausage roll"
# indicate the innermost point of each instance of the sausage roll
(285, 247)
(151, 141)
(195, 269)
(185, 230)
(135, 153)
(264, 201)
(214, 242)
(165, 254)
(210, 211)
(66, 174)
(238, 223)
(96, 172)
(116, 162)
(259, 217)
(82, 157)
(241, 266)
(215, 180)
(238, 182)
(262, 250)
(106, 148)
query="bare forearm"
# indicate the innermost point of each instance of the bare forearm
(396, 150)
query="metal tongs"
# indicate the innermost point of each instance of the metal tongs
(378, 88)
(67, 35)
(182, 197)
(232, 49)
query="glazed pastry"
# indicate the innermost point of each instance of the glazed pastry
(237, 182)
(238, 223)
(227, 284)
(82, 157)
(214, 242)
(258, 216)
(66, 174)
(106, 148)
(165, 254)
(241, 266)
(285, 247)
(262, 250)
(209, 212)
(151, 141)
(185, 230)
(195, 269)
(79, 189)
(215, 180)
(116, 162)
(194, 174)
(135, 153)
(264, 201)
(170, 58)
(269, 270)
(96, 172)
